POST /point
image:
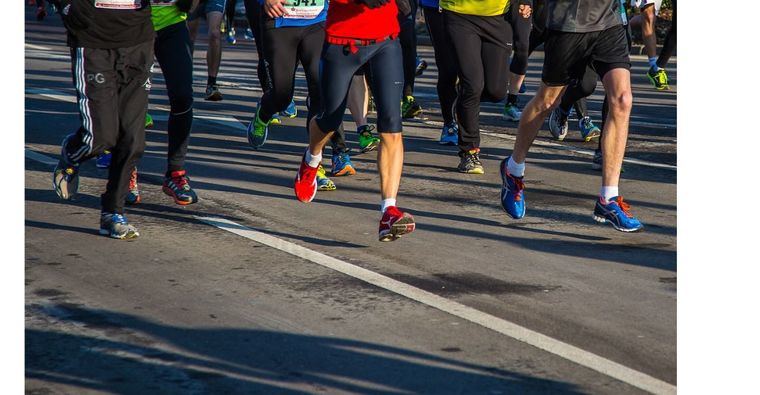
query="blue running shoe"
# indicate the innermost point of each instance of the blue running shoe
(249, 34)
(617, 213)
(104, 160)
(231, 36)
(275, 120)
(523, 88)
(257, 132)
(341, 165)
(449, 134)
(291, 111)
(588, 129)
(115, 225)
(512, 196)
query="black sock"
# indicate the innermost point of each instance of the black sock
(511, 99)
(211, 80)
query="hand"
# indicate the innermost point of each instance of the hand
(373, 3)
(525, 11)
(275, 8)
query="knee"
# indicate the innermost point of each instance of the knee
(621, 103)
(214, 34)
(471, 91)
(181, 103)
(495, 92)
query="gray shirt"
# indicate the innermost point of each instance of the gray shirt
(583, 16)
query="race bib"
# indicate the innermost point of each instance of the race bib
(119, 4)
(304, 9)
(162, 3)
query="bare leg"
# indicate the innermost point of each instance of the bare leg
(193, 26)
(617, 86)
(647, 31)
(533, 116)
(214, 54)
(390, 161)
(317, 138)
(515, 82)
(358, 100)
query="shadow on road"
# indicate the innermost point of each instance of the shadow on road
(142, 356)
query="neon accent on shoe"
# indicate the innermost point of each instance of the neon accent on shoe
(291, 111)
(231, 39)
(324, 183)
(410, 108)
(588, 130)
(66, 180)
(275, 120)
(449, 134)
(394, 224)
(305, 185)
(512, 192)
(470, 162)
(257, 131)
(148, 121)
(617, 213)
(659, 79)
(341, 165)
(511, 113)
(115, 225)
(367, 141)
(177, 186)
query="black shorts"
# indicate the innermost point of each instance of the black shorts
(566, 55)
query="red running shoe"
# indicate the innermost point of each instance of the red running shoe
(306, 182)
(395, 223)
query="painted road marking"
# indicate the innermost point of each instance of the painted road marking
(40, 47)
(517, 332)
(507, 328)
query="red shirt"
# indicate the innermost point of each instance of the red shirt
(349, 19)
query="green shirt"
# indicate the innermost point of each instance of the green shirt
(476, 7)
(164, 13)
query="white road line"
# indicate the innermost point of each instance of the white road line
(52, 94)
(40, 47)
(33, 155)
(525, 335)
(549, 144)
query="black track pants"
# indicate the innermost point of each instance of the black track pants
(481, 45)
(172, 49)
(284, 48)
(444, 61)
(255, 20)
(112, 94)
(408, 39)
(521, 28)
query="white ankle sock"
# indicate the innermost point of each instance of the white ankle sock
(313, 160)
(515, 169)
(607, 193)
(386, 203)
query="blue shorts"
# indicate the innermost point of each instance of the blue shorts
(386, 79)
(209, 6)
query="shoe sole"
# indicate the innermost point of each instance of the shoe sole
(654, 84)
(370, 148)
(167, 191)
(401, 227)
(216, 96)
(346, 171)
(503, 171)
(62, 184)
(474, 171)
(291, 116)
(447, 143)
(509, 118)
(601, 220)
(128, 236)
(592, 136)
(407, 116)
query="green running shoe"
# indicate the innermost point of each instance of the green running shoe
(410, 108)
(148, 121)
(658, 78)
(324, 183)
(367, 141)
(257, 132)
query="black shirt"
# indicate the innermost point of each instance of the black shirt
(107, 23)
(583, 16)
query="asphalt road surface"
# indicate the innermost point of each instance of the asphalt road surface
(250, 291)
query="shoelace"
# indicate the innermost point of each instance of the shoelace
(624, 206)
(519, 186)
(180, 181)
